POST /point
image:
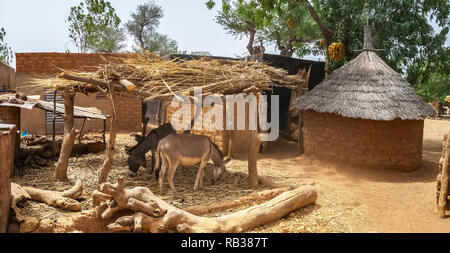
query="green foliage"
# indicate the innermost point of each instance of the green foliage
(94, 26)
(287, 26)
(6, 53)
(142, 27)
(291, 29)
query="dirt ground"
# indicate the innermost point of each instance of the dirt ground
(349, 199)
(358, 200)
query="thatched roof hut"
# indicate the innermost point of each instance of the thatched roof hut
(366, 114)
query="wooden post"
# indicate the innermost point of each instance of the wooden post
(159, 116)
(69, 134)
(300, 147)
(104, 132)
(81, 130)
(253, 151)
(442, 203)
(7, 144)
(109, 154)
(54, 148)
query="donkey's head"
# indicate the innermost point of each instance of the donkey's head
(133, 165)
(218, 172)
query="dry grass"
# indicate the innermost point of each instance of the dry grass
(86, 167)
(156, 78)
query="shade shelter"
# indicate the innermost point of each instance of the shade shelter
(365, 114)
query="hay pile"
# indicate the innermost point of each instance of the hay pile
(163, 79)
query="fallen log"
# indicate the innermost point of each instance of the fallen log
(232, 203)
(151, 214)
(65, 200)
(261, 180)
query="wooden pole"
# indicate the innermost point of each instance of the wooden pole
(442, 203)
(54, 148)
(109, 154)
(300, 147)
(104, 132)
(253, 158)
(81, 130)
(7, 144)
(69, 134)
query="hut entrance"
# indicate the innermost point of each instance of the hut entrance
(284, 95)
(59, 120)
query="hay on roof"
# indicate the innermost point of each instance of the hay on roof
(156, 78)
(366, 88)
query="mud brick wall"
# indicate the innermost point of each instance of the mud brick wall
(10, 115)
(392, 145)
(219, 137)
(32, 65)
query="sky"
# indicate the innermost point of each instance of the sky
(39, 26)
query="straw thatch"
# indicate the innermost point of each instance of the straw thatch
(366, 88)
(157, 78)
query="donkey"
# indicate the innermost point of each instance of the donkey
(189, 150)
(137, 152)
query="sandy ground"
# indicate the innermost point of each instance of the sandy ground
(349, 199)
(358, 200)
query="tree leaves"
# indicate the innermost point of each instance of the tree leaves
(94, 25)
(6, 53)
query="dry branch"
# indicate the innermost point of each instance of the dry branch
(156, 216)
(232, 203)
(109, 154)
(261, 180)
(66, 200)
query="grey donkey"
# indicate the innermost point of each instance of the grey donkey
(188, 150)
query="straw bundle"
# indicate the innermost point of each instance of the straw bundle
(156, 78)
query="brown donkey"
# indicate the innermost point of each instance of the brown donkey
(188, 150)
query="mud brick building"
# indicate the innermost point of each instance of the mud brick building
(32, 65)
(365, 114)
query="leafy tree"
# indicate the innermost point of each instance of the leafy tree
(94, 25)
(292, 30)
(6, 53)
(142, 27)
(144, 22)
(402, 27)
(243, 18)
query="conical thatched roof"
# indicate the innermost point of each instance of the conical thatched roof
(366, 88)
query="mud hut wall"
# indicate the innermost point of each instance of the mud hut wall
(7, 77)
(32, 65)
(393, 145)
(240, 139)
(7, 142)
(219, 137)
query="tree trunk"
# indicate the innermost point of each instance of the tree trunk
(69, 135)
(444, 164)
(65, 200)
(7, 148)
(253, 158)
(109, 154)
(251, 40)
(151, 214)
